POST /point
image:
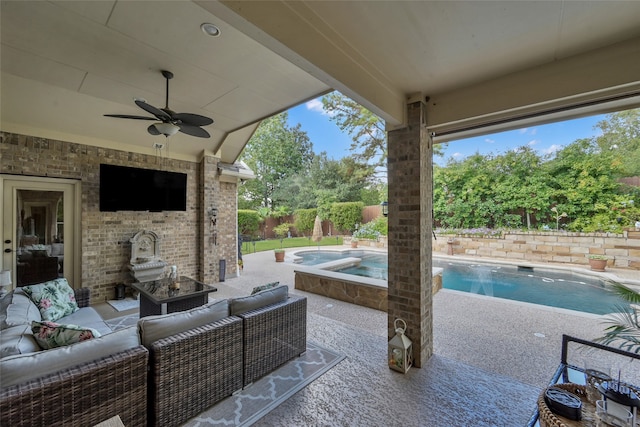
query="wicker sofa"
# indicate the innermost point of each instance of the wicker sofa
(253, 335)
(80, 384)
(171, 371)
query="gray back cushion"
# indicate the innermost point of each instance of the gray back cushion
(241, 305)
(153, 328)
(22, 311)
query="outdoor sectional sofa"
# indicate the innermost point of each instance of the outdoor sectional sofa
(177, 365)
(78, 384)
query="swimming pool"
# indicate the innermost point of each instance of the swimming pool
(553, 288)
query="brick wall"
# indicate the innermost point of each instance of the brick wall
(105, 248)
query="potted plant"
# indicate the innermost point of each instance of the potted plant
(281, 231)
(598, 262)
(354, 242)
(279, 253)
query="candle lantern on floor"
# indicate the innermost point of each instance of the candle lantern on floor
(400, 349)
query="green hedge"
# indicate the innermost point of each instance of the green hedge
(248, 222)
(345, 216)
(304, 220)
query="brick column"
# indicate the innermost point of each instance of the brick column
(210, 235)
(410, 226)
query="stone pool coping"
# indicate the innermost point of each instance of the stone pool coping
(320, 279)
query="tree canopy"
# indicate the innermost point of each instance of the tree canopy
(275, 153)
(520, 188)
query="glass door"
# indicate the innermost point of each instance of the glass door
(39, 231)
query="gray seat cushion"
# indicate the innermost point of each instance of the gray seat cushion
(24, 367)
(87, 317)
(17, 340)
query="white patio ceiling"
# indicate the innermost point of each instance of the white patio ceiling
(65, 64)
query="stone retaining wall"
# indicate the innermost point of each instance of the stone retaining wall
(623, 250)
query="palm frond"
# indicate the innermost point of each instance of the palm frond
(623, 330)
(626, 293)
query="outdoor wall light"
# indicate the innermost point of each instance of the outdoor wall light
(385, 208)
(213, 215)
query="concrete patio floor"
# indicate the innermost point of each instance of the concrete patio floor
(491, 359)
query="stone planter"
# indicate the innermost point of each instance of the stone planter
(597, 264)
(354, 244)
(279, 255)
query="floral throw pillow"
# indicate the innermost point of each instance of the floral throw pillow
(54, 299)
(51, 334)
(264, 287)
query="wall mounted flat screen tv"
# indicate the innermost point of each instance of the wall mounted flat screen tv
(134, 189)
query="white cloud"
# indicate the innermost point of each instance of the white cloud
(552, 149)
(489, 140)
(315, 105)
(456, 155)
(523, 130)
(528, 131)
(532, 142)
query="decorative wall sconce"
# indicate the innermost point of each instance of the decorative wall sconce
(385, 208)
(213, 217)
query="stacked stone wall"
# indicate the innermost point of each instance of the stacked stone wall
(623, 250)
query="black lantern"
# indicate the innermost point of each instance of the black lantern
(385, 208)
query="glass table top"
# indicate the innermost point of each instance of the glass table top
(167, 290)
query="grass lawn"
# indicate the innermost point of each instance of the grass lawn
(293, 242)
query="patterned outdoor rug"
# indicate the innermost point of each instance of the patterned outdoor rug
(258, 399)
(122, 322)
(124, 304)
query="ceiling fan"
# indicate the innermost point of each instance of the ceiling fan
(170, 121)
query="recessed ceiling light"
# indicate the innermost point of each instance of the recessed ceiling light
(210, 29)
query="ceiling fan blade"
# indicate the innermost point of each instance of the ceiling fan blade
(126, 116)
(194, 131)
(153, 110)
(152, 130)
(192, 119)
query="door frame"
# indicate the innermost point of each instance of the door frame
(72, 196)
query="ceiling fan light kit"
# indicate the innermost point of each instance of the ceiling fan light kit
(170, 121)
(166, 129)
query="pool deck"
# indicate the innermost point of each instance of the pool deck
(492, 358)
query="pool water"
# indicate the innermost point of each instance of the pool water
(552, 288)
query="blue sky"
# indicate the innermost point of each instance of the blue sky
(326, 136)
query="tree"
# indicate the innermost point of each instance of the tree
(521, 186)
(275, 152)
(621, 135)
(326, 181)
(367, 130)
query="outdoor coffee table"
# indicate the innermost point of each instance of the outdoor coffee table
(168, 295)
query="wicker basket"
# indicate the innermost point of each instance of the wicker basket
(550, 419)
